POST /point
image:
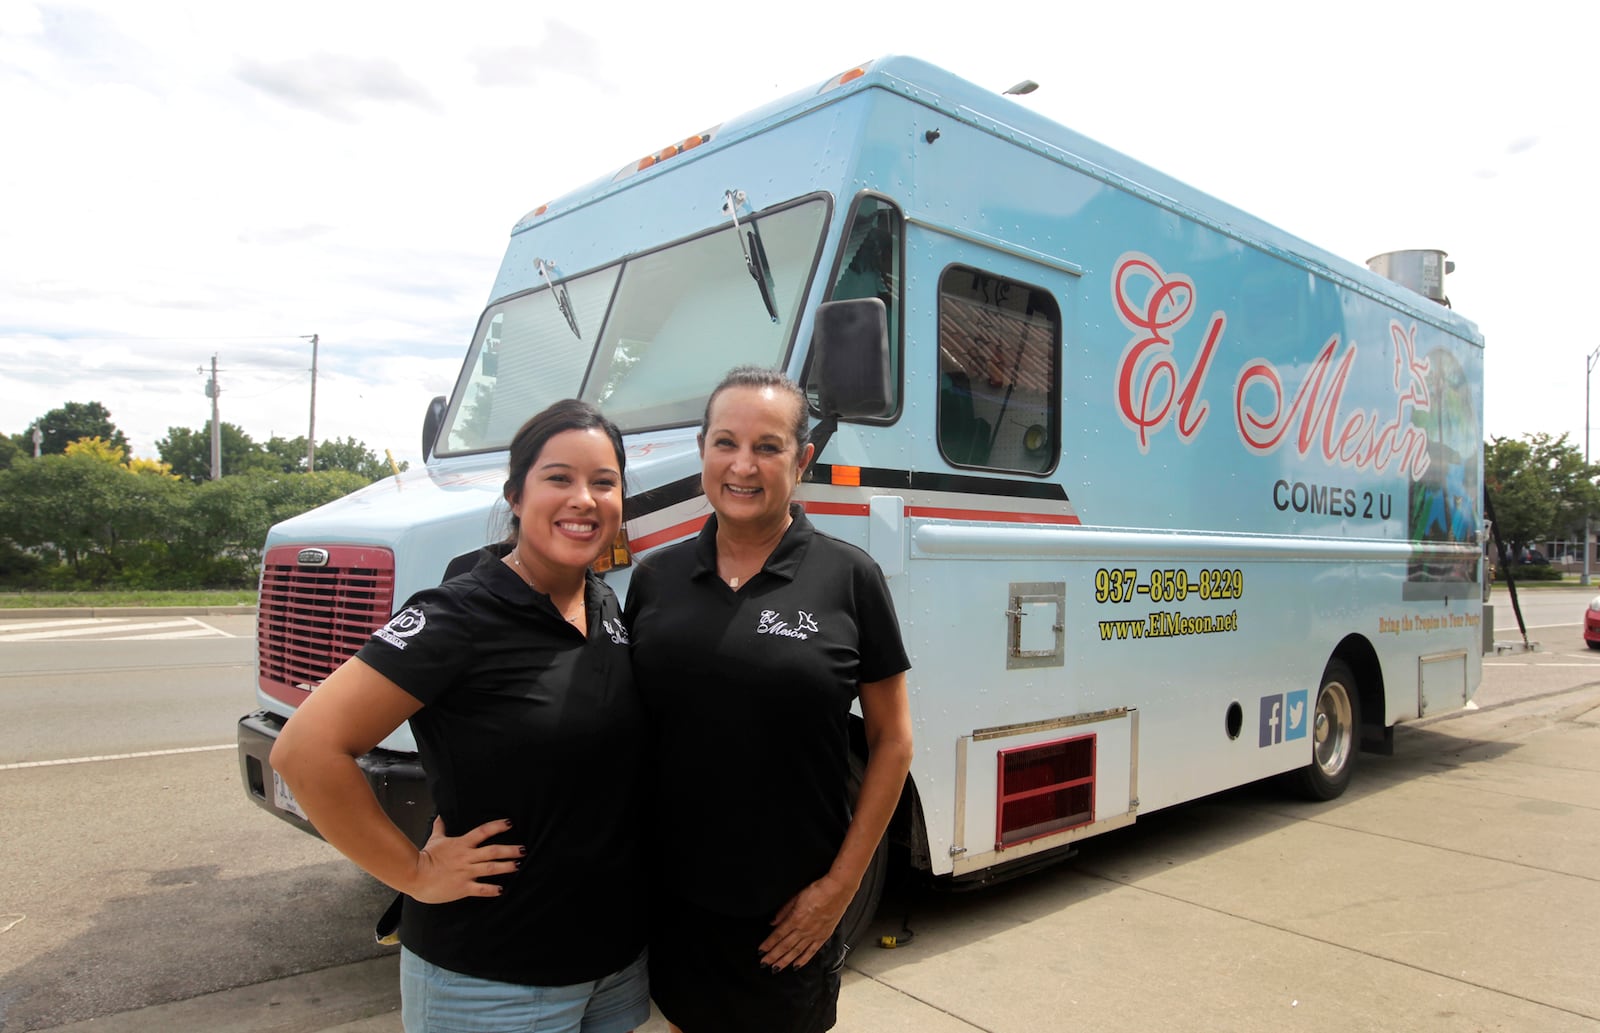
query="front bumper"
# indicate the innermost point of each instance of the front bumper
(396, 779)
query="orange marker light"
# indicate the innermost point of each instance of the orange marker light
(845, 77)
(848, 476)
(619, 555)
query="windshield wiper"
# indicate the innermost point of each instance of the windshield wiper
(563, 302)
(755, 256)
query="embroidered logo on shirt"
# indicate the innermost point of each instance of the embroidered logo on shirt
(772, 624)
(404, 624)
(618, 633)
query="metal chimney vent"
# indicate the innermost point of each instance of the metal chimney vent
(1422, 271)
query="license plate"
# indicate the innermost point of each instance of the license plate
(284, 800)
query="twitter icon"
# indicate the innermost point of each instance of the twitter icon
(1295, 718)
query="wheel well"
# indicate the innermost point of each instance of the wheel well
(1362, 659)
(907, 827)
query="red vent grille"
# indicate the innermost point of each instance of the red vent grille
(1043, 789)
(313, 618)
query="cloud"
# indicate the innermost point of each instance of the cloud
(330, 85)
(274, 235)
(564, 49)
(90, 47)
(1522, 145)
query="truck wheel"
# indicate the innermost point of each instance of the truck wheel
(864, 907)
(1335, 723)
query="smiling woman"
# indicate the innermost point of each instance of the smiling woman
(516, 682)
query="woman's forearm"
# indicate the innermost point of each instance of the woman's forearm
(331, 789)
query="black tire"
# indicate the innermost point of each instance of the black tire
(1591, 645)
(1335, 735)
(858, 917)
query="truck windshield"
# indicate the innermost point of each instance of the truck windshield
(659, 330)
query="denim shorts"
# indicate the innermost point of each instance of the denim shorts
(437, 1000)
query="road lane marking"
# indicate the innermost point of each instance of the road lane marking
(206, 632)
(97, 629)
(115, 756)
(105, 627)
(60, 622)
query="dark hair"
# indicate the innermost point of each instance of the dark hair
(531, 437)
(761, 376)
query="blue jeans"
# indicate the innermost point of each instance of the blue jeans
(437, 1000)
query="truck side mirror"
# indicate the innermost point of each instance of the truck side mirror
(850, 359)
(431, 422)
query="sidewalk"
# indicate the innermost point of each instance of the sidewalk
(1455, 887)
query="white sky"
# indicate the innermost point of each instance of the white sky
(179, 180)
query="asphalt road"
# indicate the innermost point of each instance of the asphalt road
(135, 870)
(141, 888)
(1553, 616)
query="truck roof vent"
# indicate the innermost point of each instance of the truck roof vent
(1422, 271)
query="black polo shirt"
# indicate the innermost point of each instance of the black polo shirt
(524, 718)
(749, 693)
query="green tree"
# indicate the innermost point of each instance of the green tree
(100, 520)
(288, 454)
(10, 451)
(350, 455)
(1542, 488)
(226, 523)
(188, 452)
(69, 423)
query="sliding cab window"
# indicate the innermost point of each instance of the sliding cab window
(999, 343)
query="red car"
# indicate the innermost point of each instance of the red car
(1591, 623)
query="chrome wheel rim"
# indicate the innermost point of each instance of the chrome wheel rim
(1334, 730)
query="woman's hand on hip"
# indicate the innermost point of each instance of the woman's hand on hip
(450, 867)
(805, 923)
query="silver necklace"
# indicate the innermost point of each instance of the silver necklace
(577, 619)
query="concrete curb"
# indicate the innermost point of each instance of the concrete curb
(50, 612)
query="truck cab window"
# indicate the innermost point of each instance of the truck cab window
(998, 347)
(658, 330)
(524, 357)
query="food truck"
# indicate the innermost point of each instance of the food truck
(1169, 500)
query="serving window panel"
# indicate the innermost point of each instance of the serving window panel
(999, 349)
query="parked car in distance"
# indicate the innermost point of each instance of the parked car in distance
(1591, 624)
(1531, 557)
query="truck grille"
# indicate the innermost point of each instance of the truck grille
(313, 618)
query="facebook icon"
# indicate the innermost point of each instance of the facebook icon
(1272, 720)
(1283, 716)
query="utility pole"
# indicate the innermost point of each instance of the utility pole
(1588, 518)
(311, 433)
(212, 391)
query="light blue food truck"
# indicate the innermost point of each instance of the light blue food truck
(1169, 500)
